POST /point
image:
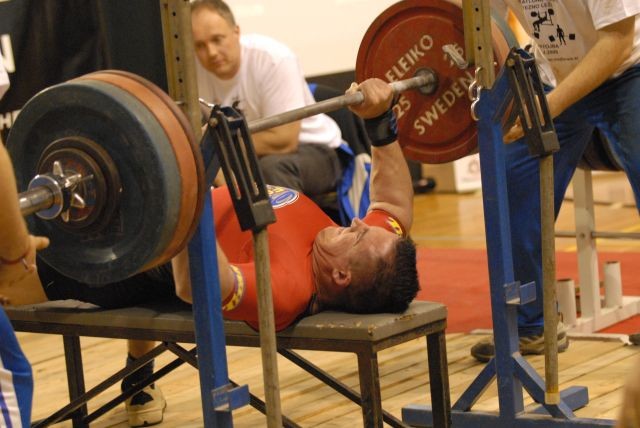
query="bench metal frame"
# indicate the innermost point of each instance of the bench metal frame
(364, 335)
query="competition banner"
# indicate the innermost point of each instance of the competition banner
(44, 42)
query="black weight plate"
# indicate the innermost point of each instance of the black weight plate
(145, 218)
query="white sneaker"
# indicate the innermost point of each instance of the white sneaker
(146, 407)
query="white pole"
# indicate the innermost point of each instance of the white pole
(566, 292)
(612, 284)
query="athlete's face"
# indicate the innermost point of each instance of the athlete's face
(217, 43)
(357, 245)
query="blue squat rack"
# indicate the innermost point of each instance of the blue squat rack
(510, 369)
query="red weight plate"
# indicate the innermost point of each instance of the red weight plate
(409, 36)
(194, 145)
(182, 148)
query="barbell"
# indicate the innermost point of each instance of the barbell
(115, 176)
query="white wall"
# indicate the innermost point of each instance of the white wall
(325, 34)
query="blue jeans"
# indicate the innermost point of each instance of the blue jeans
(614, 108)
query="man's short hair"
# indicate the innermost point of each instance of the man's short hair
(217, 6)
(393, 285)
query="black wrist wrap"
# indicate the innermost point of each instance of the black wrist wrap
(382, 130)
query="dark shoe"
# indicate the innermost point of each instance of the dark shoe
(484, 350)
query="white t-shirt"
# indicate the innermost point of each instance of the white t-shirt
(270, 81)
(4, 78)
(563, 31)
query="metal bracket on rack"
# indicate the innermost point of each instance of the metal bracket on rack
(230, 134)
(530, 104)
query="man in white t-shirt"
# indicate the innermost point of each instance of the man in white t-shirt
(588, 54)
(262, 77)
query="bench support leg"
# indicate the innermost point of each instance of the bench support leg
(370, 389)
(439, 379)
(75, 377)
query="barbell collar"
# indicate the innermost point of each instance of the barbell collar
(49, 205)
(425, 78)
(50, 195)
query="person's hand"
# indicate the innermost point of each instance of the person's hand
(11, 273)
(514, 133)
(378, 96)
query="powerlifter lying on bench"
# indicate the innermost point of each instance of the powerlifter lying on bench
(368, 267)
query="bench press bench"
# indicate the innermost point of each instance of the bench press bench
(171, 323)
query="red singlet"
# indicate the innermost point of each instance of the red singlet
(298, 221)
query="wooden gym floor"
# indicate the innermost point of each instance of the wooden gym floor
(441, 221)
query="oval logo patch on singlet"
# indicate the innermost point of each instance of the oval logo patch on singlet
(281, 196)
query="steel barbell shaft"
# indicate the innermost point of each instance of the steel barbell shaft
(36, 199)
(427, 79)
